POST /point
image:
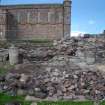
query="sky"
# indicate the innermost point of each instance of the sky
(88, 16)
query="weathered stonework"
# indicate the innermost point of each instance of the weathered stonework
(3, 24)
(47, 21)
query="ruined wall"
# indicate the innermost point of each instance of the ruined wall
(47, 21)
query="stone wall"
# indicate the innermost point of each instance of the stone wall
(2, 24)
(47, 21)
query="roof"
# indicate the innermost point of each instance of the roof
(20, 6)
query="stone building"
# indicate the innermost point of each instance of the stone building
(42, 21)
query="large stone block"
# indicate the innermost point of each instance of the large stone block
(13, 55)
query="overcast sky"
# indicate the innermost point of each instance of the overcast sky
(87, 15)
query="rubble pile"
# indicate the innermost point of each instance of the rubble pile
(39, 54)
(93, 49)
(57, 75)
(45, 53)
(54, 84)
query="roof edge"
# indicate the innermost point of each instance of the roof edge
(30, 5)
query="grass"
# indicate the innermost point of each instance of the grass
(8, 99)
(4, 68)
(39, 41)
(102, 103)
(4, 98)
(35, 41)
(42, 42)
(66, 103)
(4, 44)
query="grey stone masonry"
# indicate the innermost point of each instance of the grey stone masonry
(35, 21)
(3, 24)
(13, 55)
(67, 17)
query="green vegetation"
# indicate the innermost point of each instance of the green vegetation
(8, 99)
(4, 98)
(102, 103)
(42, 42)
(5, 68)
(66, 103)
(4, 44)
(35, 41)
(38, 41)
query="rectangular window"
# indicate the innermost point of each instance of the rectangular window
(52, 17)
(49, 17)
(43, 15)
(38, 17)
(59, 15)
(23, 17)
(32, 16)
(2, 19)
(18, 17)
(28, 17)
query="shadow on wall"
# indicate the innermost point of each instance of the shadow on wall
(12, 27)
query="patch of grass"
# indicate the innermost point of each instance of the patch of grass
(4, 44)
(42, 42)
(66, 103)
(2, 71)
(102, 103)
(7, 98)
(4, 98)
(39, 41)
(5, 68)
(35, 41)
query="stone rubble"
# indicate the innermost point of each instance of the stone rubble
(63, 72)
(56, 84)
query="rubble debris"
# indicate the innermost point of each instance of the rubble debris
(79, 85)
(65, 71)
